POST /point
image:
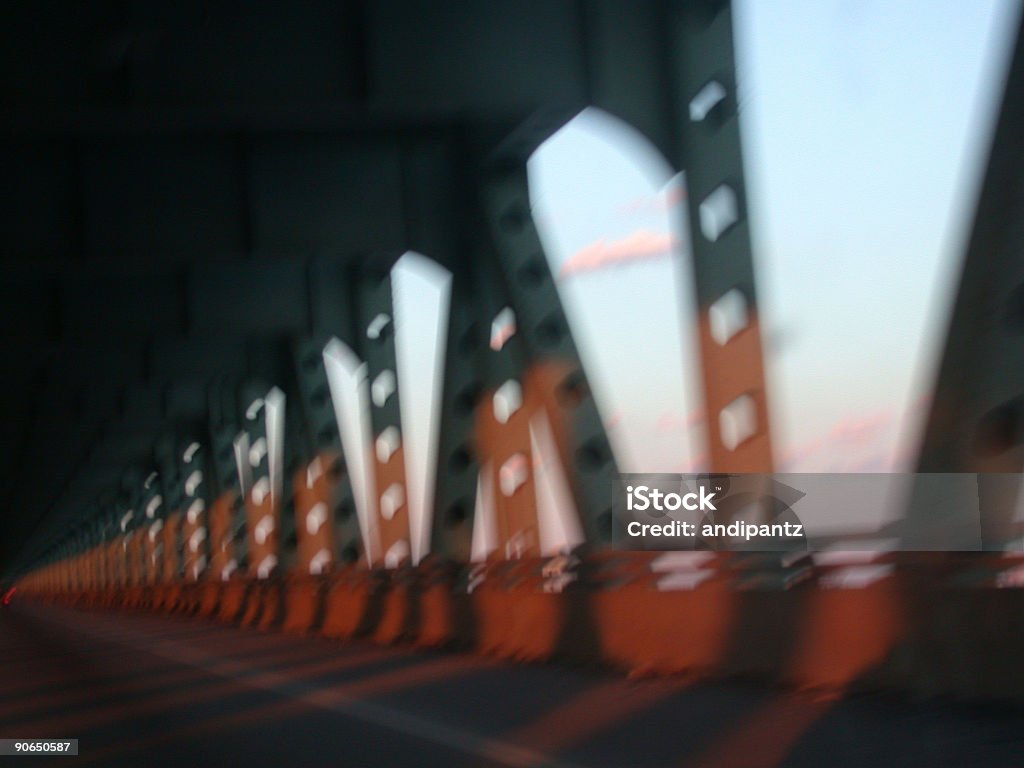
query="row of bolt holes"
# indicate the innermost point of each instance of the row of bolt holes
(517, 220)
(319, 398)
(593, 455)
(549, 333)
(343, 510)
(727, 316)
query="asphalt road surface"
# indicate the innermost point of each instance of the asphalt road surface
(141, 689)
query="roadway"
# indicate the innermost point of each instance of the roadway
(146, 689)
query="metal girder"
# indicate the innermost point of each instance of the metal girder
(976, 417)
(260, 456)
(193, 546)
(430, 166)
(457, 467)
(549, 348)
(703, 91)
(376, 346)
(325, 474)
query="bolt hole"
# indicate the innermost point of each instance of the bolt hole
(737, 422)
(469, 342)
(465, 401)
(349, 553)
(319, 397)
(1001, 429)
(707, 103)
(456, 515)
(531, 274)
(728, 316)
(592, 455)
(379, 328)
(460, 460)
(550, 331)
(514, 218)
(719, 212)
(573, 389)
(343, 510)
(336, 469)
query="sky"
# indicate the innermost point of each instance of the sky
(865, 126)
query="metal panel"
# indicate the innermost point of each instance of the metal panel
(976, 419)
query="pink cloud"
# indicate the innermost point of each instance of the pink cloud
(859, 429)
(698, 463)
(853, 444)
(659, 202)
(639, 245)
(670, 421)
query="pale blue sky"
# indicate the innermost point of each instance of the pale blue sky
(865, 124)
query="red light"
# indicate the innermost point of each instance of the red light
(8, 595)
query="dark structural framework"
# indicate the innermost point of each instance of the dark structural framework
(202, 217)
